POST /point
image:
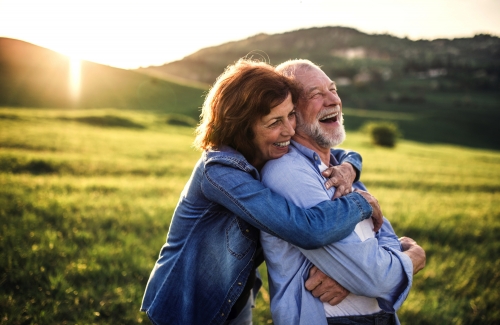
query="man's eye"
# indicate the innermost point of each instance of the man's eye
(316, 95)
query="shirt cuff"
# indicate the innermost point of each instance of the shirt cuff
(404, 291)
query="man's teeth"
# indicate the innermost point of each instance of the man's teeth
(282, 144)
(329, 116)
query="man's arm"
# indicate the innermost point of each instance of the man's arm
(367, 268)
(363, 268)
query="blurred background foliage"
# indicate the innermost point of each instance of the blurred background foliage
(440, 91)
(88, 186)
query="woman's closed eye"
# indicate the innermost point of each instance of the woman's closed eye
(274, 124)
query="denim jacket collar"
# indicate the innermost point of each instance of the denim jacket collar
(226, 155)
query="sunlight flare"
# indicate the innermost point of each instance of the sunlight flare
(75, 66)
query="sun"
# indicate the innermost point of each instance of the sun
(75, 78)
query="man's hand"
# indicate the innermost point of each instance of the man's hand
(415, 252)
(341, 177)
(377, 216)
(325, 288)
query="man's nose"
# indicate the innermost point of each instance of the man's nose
(332, 99)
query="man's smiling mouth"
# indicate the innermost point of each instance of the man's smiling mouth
(330, 118)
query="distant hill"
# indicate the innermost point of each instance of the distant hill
(436, 91)
(353, 56)
(32, 76)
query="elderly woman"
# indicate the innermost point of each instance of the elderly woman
(206, 270)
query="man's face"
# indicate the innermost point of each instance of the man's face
(319, 111)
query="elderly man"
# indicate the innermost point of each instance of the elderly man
(377, 269)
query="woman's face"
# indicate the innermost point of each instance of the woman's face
(273, 132)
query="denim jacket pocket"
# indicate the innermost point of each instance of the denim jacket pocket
(241, 237)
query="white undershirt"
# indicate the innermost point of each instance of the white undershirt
(353, 304)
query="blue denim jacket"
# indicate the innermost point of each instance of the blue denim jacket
(212, 242)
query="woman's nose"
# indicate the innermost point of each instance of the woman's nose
(289, 128)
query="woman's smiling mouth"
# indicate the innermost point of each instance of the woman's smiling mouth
(282, 144)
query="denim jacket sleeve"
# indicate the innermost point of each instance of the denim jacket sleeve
(244, 195)
(351, 157)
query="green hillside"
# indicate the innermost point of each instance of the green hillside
(440, 91)
(32, 76)
(349, 53)
(86, 198)
(450, 88)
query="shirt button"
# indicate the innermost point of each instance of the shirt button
(247, 230)
(315, 157)
(239, 283)
(222, 314)
(229, 300)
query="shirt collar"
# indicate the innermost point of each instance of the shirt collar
(313, 157)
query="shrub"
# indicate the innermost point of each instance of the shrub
(33, 166)
(382, 134)
(109, 121)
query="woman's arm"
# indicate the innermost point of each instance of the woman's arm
(325, 223)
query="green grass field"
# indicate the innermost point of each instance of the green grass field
(86, 197)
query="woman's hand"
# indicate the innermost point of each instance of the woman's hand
(325, 288)
(377, 216)
(341, 177)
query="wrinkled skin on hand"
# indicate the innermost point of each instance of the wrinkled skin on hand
(325, 288)
(377, 216)
(415, 252)
(341, 177)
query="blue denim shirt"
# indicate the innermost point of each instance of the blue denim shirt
(214, 234)
(374, 268)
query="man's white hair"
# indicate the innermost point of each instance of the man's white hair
(292, 68)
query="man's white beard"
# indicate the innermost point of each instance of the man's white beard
(323, 139)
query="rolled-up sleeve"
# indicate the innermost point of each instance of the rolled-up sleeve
(367, 269)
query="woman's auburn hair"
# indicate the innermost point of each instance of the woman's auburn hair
(242, 94)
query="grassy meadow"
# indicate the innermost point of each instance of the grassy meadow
(86, 197)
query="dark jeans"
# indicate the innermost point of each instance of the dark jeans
(381, 318)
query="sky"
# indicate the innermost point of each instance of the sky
(131, 34)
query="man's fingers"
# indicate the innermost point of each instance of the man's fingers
(331, 182)
(315, 278)
(336, 300)
(339, 192)
(334, 294)
(327, 172)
